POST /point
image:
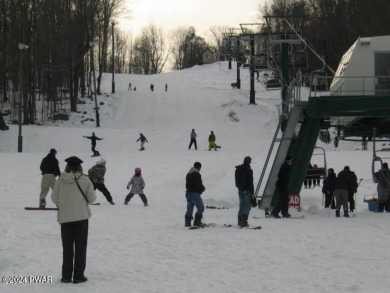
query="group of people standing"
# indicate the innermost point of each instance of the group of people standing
(211, 140)
(339, 190)
(72, 193)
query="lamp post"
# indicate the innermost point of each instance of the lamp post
(113, 62)
(20, 137)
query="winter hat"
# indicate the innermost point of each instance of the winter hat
(137, 170)
(247, 160)
(197, 165)
(53, 151)
(346, 168)
(73, 161)
(101, 161)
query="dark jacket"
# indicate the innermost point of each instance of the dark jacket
(283, 175)
(194, 181)
(343, 181)
(142, 138)
(244, 177)
(93, 139)
(328, 184)
(49, 165)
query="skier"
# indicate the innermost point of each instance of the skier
(193, 139)
(96, 174)
(194, 189)
(382, 177)
(137, 184)
(143, 139)
(244, 183)
(129, 89)
(328, 189)
(151, 87)
(93, 139)
(50, 170)
(282, 190)
(72, 193)
(166, 87)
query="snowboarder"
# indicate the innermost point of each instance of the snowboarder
(50, 170)
(143, 139)
(137, 184)
(212, 144)
(194, 189)
(281, 204)
(328, 189)
(244, 183)
(166, 87)
(72, 193)
(96, 174)
(129, 89)
(151, 87)
(193, 139)
(93, 139)
(382, 177)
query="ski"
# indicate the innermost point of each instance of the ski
(95, 204)
(39, 209)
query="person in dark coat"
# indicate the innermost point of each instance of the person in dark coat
(282, 192)
(50, 170)
(93, 139)
(382, 177)
(352, 189)
(328, 189)
(194, 189)
(342, 185)
(244, 183)
(143, 139)
(308, 179)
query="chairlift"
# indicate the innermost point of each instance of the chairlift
(318, 172)
(319, 79)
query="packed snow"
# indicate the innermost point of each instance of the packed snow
(147, 249)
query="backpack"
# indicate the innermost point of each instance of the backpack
(239, 176)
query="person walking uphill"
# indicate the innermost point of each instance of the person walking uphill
(50, 170)
(382, 177)
(93, 139)
(72, 194)
(143, 139)
(244, 183)
(194, 189)
(328, 189)
(137, 184)
(282, 192)
(96, 174)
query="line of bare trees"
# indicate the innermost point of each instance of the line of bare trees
(332, 26)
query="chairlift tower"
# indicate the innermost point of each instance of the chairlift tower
(252, 31)
(284, 31)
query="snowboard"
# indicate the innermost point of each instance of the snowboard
(271, 217)
(40, 209)
(208, 225)
(96, 155)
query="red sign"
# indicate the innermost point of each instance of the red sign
(295, 202)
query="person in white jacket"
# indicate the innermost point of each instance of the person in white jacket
(72, 194)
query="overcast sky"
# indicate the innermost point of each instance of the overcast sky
(202, 14)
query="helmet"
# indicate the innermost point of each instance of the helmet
(137, 170)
